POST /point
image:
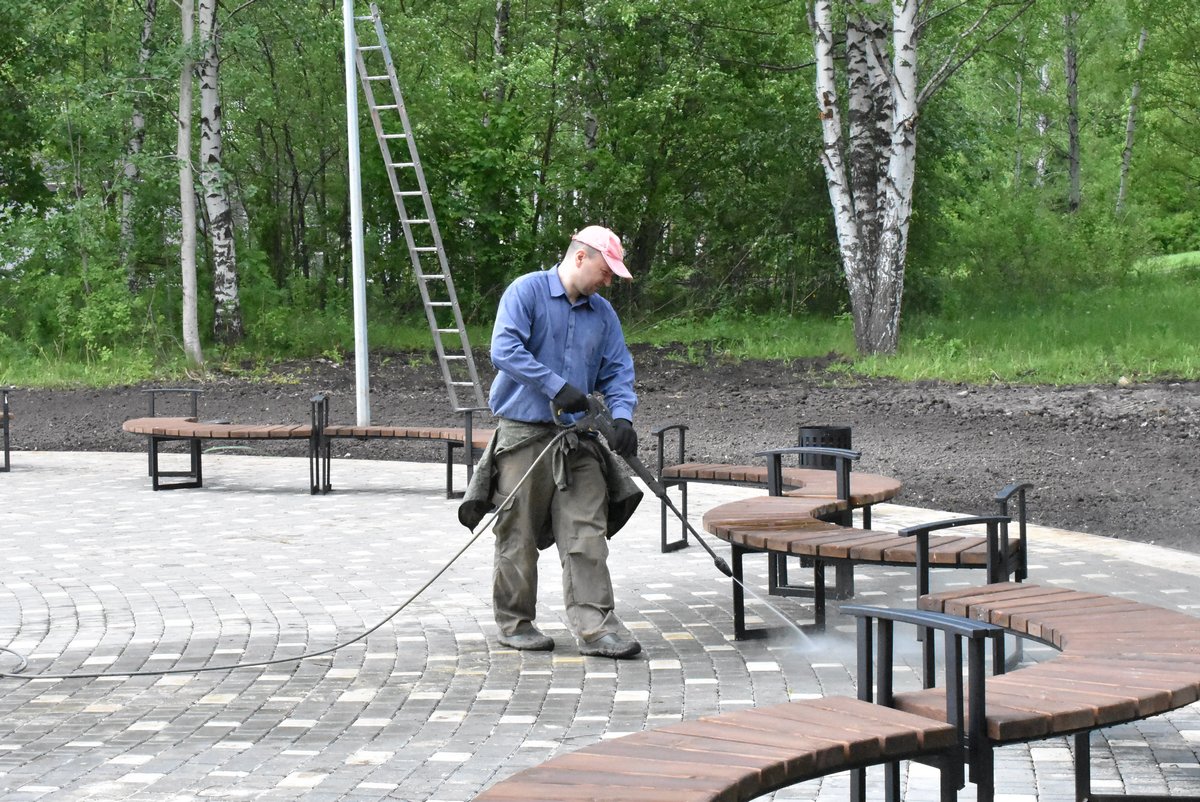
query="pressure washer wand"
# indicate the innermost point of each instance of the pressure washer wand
(599, 419)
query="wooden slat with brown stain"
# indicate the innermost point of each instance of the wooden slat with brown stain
(1122, 660)
(733, 756)
(865, 488)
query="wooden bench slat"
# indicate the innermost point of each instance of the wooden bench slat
(520, 790)
(769, 767)
(651, 770)
(613, 777)
(823, 756)
(830, 731)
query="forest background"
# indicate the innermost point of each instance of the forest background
(1053, 231)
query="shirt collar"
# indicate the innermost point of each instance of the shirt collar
(557, 289)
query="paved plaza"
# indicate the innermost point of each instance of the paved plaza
(99, 573)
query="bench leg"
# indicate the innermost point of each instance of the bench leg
(1083, 766)
(666, 546)
(858, 785)
(891, 782)
(195, 474)
(739, 594)
(450, 491)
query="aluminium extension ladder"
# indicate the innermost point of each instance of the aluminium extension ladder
(421, 232)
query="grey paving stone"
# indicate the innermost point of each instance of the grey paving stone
(100, 573)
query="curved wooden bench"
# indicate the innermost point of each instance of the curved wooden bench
(163, 429)
(813, 528)
(452, 437)
(737, 756)
(865, 489)
(1120, 660)
(318, 432)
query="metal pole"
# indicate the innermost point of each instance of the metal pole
(361, 376)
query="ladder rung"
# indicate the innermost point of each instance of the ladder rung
(425, 249)
(360, 19)
(395, 136)
(409, 193)
(418, 221)
(388, 106)
(439, 303)
(403, 164)
(433, 277)
(463, 384)
(370, 47)
(378, 77)
(447, 331)
(458, 357)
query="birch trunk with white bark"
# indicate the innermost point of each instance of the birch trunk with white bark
(1130, 121)
(872, 200)
(137, 138)
(1041, 166)
(187, 193)
(227, 317)
(871, 173)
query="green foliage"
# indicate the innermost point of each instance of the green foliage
(1142, 329)
(688, 126)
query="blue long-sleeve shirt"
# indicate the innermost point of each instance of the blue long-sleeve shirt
(542, 341)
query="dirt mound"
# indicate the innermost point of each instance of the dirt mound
(1117, 461)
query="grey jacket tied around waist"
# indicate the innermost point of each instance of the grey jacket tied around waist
(623, 493)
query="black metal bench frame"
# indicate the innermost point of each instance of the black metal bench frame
(966, 699)
(194, 476)
(977, 748)
(999, 565)
(320, 462)
(4, 410)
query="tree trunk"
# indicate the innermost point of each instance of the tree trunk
(1040, 165)
(227, 318)
(1071, 76)
(1130, 121)
(187, 194)
(1018, 162)
(873, 203)
(870, 114)
(137, 137)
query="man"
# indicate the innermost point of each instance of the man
(556, 340)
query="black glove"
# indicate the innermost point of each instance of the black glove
(570, 399)
(624, 439)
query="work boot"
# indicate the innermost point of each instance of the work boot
(611, 645)
(531, 641)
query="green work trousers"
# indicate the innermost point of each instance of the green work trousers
(577, 516)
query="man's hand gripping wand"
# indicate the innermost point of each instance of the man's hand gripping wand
(598, 419)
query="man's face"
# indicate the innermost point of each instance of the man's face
(594, 272)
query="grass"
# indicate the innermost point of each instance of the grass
(1145, 329)
(1170, 263)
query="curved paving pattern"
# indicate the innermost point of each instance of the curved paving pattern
(100, 573)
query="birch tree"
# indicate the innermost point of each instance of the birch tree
(227, 317)
(187, 190)
(1130, 122)
(871, 168)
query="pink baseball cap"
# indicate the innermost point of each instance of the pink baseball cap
(609, 245)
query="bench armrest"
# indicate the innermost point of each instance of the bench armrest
(153, 392)
(971, 723)
(661, 434)
(1002, 498)
(842, 458)
(997, 546)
